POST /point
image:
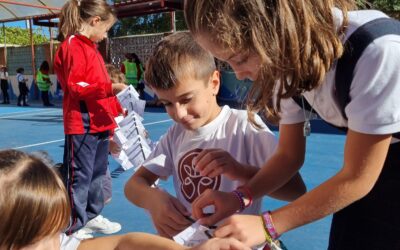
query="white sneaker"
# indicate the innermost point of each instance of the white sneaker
(82, 234)
(102, 225)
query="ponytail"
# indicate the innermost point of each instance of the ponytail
(75, 12)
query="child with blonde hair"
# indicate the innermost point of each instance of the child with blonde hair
(35, 210)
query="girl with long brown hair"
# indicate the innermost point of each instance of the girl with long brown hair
(293, 48)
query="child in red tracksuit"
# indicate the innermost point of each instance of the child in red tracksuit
(88, 96)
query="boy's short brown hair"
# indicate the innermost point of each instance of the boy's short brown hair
(177, 57)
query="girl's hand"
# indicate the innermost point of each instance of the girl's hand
(214, 162)
(248, 229)
(118, 87)
(114, 148)
(222, 244)
(225, 204)
(168, 214)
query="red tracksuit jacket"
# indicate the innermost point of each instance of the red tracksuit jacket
(88, 96)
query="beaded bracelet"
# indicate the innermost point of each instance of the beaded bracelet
(248, 195)
(240, 197)
(269, 225)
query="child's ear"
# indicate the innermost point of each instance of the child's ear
(95, 20)
(215, 81)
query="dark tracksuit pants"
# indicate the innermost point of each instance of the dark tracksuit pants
(83, 171)
(372, 222)
(23, 93)
(45, 97)
(4, 89)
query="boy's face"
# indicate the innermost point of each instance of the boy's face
(192, 103)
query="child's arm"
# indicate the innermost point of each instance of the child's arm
(118, 87)
(167, 213)
(137, 241)
(280, 168)
(291, 190)
(144, 241)
(213, 162)
(139, 72)
(360, 171)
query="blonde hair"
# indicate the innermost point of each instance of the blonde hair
(115, 74)
(176, 57)
(297, 42)
(33, 200)
(75, 12)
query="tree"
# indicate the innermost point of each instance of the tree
(19, 36)
(153, 23)
(391, 7)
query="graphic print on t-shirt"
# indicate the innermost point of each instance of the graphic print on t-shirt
(192, 183)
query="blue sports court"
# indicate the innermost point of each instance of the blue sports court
(36, 128)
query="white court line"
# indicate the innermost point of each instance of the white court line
(38, 144)
(151, 123)
(36, 113)
(49, 142)
(22, 112)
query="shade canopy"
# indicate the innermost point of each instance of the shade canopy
(14, 10)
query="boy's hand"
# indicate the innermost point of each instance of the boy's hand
(222, 244)
(214, 162)
(225, 204)
(114, 148)
(168, 215)
(118, 87)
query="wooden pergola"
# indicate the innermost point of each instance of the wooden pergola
(45, 13)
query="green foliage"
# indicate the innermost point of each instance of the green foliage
(161, 22)
(153, 23)
(390, 7)
(19, 36)
(386, 5)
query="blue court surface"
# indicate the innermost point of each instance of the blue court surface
(36, 128)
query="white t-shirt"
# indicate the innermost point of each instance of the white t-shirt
(229, 131)
(375, 90)
(20, 77)
(68, 242)
(3, 75)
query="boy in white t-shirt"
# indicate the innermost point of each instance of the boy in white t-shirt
(209, 147)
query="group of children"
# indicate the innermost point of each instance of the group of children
(223, 160)
(42, 81)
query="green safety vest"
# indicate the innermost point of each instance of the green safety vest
(131, 73)
(41, 83)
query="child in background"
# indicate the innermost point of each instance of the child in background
(22, 87)
(88, 119)
(132, 69)
(43, 82)
(201, 150)
(116, 77)
(294, 48)
(140, 75)
(4, 84)
(35, 210)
